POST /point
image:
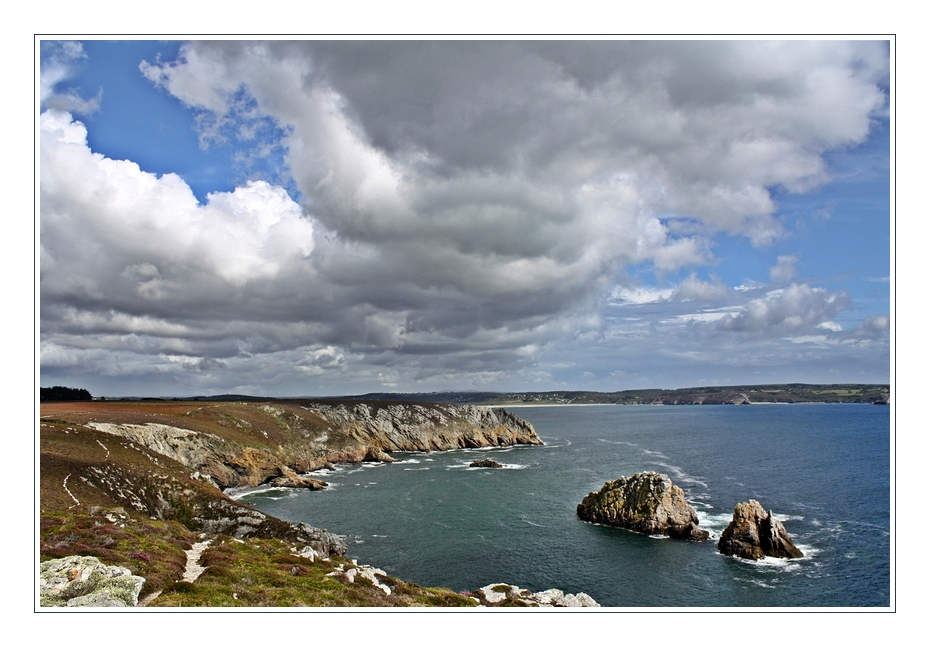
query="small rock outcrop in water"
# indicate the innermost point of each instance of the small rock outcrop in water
(78, 581)
(754, 533)
(485, 462)
(645, 502)
(497, 595)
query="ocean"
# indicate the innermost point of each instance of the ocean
(823, 469)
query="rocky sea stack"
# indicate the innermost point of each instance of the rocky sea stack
(646, 503)
(486, 462)
(754, 533)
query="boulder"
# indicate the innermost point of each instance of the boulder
(754, 533)
(500, 594)
(289, 478)
(485, 462)
(648, 503)
(79, 581)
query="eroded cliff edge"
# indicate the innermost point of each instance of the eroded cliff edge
(247, 444)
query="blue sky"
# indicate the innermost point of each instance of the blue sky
(321, 218)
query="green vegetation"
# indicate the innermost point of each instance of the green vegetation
(266, 573)
(152, 549)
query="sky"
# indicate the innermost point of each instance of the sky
(291, 218)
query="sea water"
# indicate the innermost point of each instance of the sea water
(823, 469)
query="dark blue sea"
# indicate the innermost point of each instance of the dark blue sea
(823, 469)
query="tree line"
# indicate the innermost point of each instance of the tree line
(63, 394)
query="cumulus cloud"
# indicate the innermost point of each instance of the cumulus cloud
(787, 310)
(784, 270)
(59, 59)
(462, 204)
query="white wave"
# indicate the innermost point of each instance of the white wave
(416, 469)
(788, 517)
(773, 563)
(808, 550)
(680, 475)
(238, 493)
(718, 521)
(755, 582)
(408, 461)
(538, 525)
(380, 536)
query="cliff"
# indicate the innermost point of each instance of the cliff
(248, 443)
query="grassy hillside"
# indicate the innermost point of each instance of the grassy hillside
(112, 498)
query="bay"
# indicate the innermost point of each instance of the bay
(824, 469)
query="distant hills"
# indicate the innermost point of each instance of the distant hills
(746, 394)
(750, 394)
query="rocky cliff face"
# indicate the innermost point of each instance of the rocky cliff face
(754, 533)
(437, 427)
(314, 437)
(648, 503)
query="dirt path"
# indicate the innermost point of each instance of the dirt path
(194, 569)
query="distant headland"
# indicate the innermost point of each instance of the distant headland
(793, 393)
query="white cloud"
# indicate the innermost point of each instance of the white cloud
(784, 270)
(57, 65)
(785, 310)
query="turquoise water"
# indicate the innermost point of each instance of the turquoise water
(823, 469)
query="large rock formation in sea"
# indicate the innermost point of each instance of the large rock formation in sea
(648, 503)
(754, 533)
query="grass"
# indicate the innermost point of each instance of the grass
(266, 573)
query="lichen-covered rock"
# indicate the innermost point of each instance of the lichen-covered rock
(648, 503)
(79, 581)
(500, 594)
(754, 533)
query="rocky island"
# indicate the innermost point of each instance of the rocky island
(754, 533)
(647, 503)
(486, 462)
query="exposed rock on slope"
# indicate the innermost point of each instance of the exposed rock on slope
(437, 427)
(646, 503)
(754, 533)
(86, 582)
